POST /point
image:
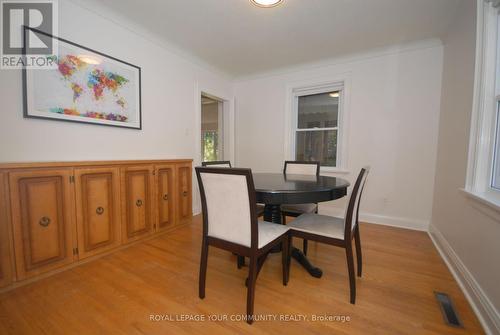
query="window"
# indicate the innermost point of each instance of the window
(317, 121)
(317, 124)
(210, 147)
(211, 129)
(495, 174)
(317, 128)
(483, 175)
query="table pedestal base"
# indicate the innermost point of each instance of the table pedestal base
(299, 256)
(272, 213)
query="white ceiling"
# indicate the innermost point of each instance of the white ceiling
(241, 39)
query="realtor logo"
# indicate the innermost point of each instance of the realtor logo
(23, 44)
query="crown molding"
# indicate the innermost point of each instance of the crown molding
(106, 13)
(346, 59)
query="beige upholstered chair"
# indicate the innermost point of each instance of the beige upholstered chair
(304, 168)
(337, 231)
(300, 168)
(226, 164)
(230, 223)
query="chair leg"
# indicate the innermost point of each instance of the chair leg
(240, 261)
(252, 277)
(289, 255)
(305, 243)
(359, 256)
(203, 268)
(285, 259)
(350, 268)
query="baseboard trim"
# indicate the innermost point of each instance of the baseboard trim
(482, 306)
(392, 221)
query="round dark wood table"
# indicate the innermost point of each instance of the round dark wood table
(276, 189)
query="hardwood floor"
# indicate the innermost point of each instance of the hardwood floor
(118, 294)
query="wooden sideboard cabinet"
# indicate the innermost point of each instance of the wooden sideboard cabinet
(56, 214)
(137, 200)
(43, 220)
(5, 243)
(98, 213)
(165, 195)
(184, 191)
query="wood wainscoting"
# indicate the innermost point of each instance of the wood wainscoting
(53, 215)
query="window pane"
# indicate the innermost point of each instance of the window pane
(210, 146)
(211, 129)
(318, 110)
(496, 163)
(318, 145)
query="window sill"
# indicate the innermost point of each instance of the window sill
(482, 199)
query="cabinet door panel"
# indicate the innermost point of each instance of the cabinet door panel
(43, 222)
(5, 246)
(165, 196)
(184, 207)
(137, 185)
(98, 210)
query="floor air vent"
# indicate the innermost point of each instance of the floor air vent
(448, 309)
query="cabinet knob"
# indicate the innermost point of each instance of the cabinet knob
(138, 203)
(185, 193)
(44, 221)
(99, 210)
(165, 197)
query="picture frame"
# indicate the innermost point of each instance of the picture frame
(84, 86)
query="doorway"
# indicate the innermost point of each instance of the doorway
(212, 128)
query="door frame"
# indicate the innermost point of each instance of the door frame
(228, 109)
(221, 126)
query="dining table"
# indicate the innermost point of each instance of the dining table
(277, 189)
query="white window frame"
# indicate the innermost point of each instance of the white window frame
(485, 108)
(496, 102)
(316, 86)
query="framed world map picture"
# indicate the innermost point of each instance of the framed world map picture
(84, 85)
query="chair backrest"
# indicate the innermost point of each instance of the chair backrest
(352, 210)
(226, 164)
(229, 205)
(301, 167)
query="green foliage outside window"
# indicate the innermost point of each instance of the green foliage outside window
(210, 146)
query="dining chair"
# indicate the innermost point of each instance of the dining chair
(337, 231)
(240, 261)
(310, 168)
(230, 223)
(227, 164)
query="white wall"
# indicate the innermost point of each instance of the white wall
(394, 114)
(466, 232)
(394, 122)
(169, 85)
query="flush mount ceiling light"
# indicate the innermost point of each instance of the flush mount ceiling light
(334, 94)
(266, 3)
